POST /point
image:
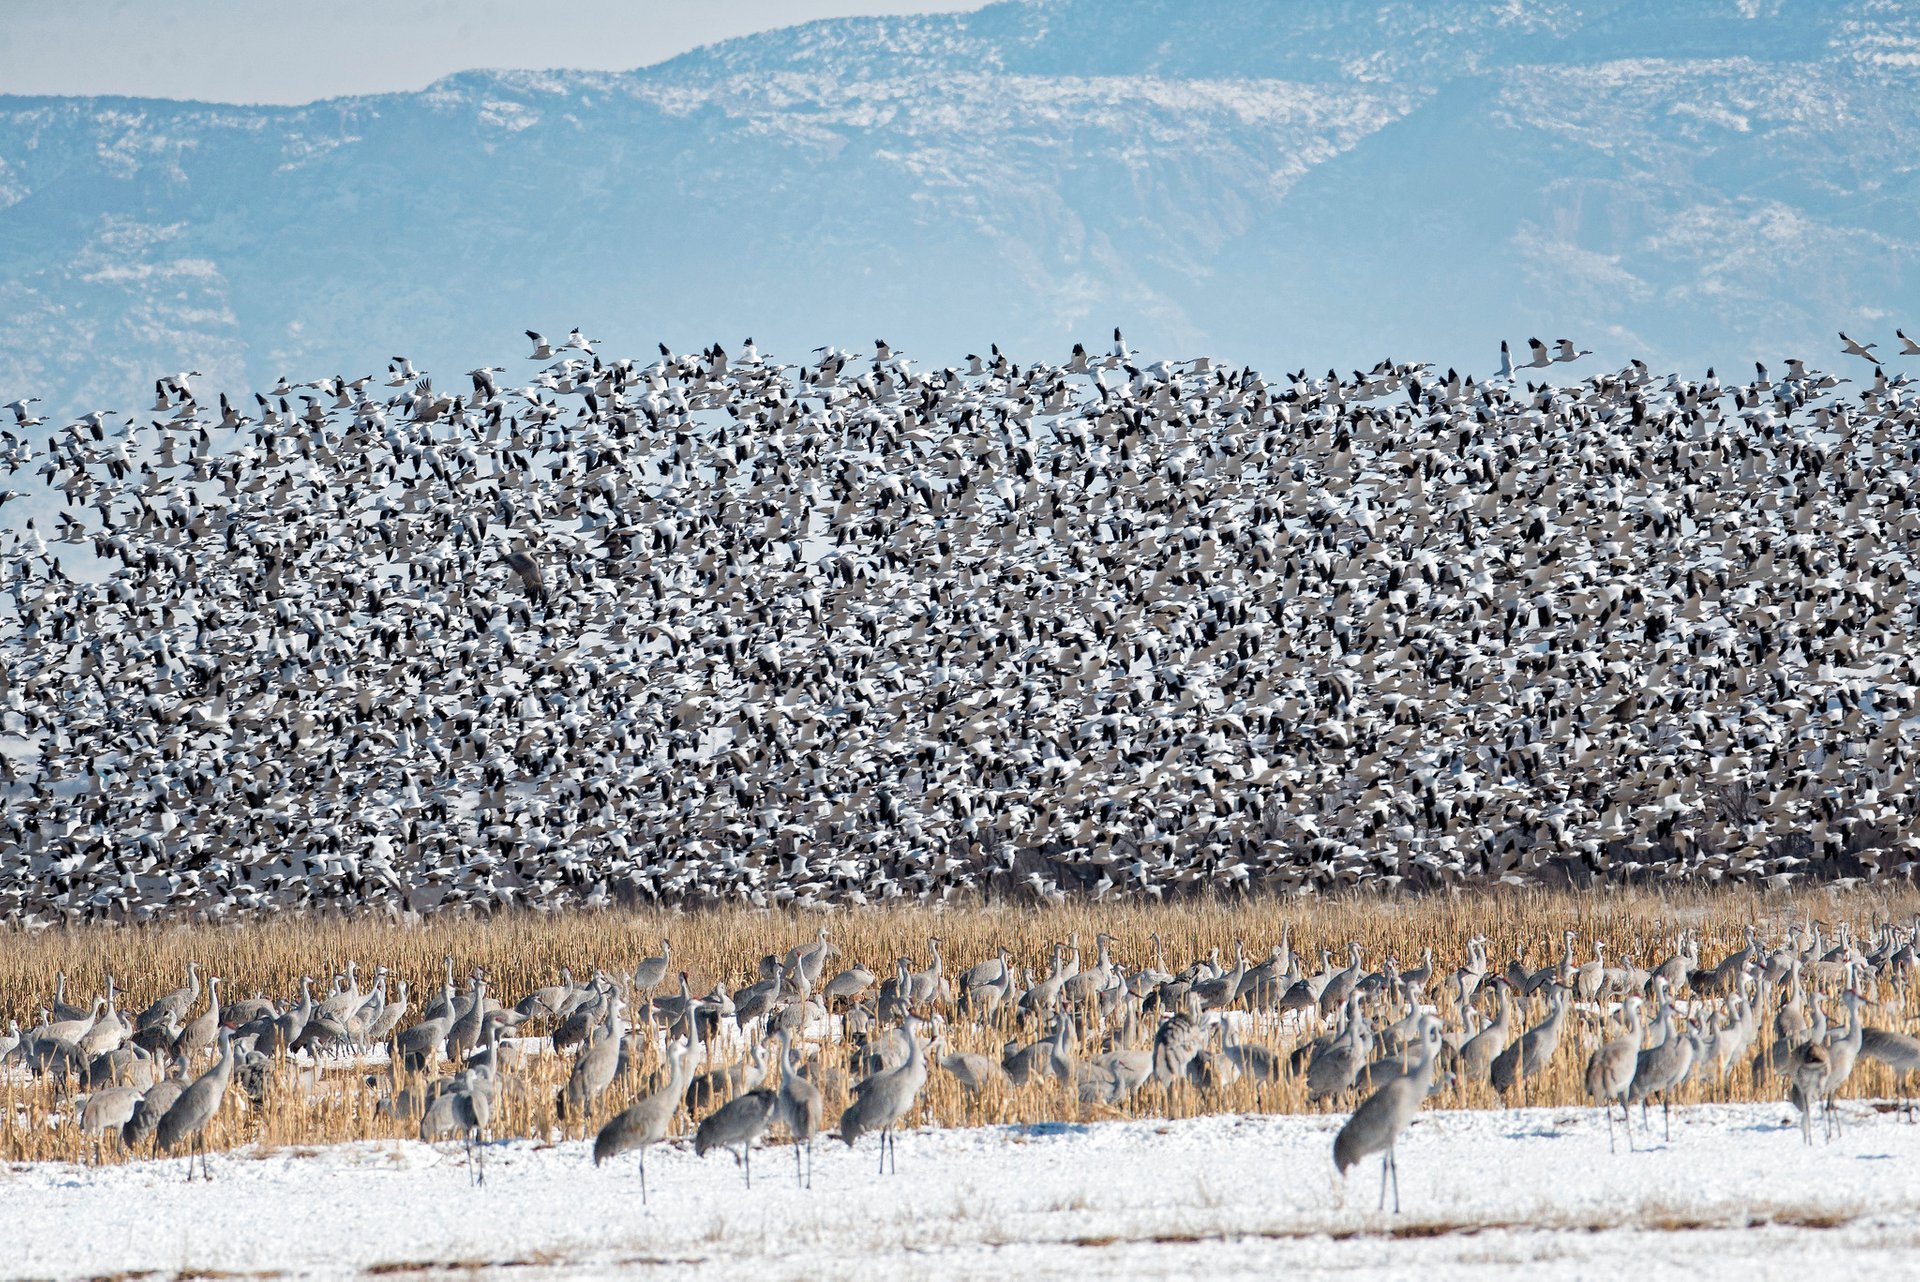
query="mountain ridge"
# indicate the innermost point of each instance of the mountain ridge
(1401, 179)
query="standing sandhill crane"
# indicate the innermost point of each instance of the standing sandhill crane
(595, 1066)
(199, 1033)
(800, 1109)
(1897, 1051)
(172, 1007)
(847, 985)
(108, 1109)
(738, 1125)
(465, 1108)
(420, 1045)
(1376, 1125)
(647, 1120)
(1610, 1070)
(1808, 1073)
(1843, 1052)
(881, 1100)
(1485, 1046)
(1177, 1041)
(1524, 1059)
(196, 1107)
(152, 1107)
(652, 971)
(1661, 1067)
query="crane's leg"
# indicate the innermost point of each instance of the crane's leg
(1607, 1108)
(1393, 1160)
(883, 1152)
(1386, 1158)
(797, 1181)
(643, 1175)
(1628, 1116)
(746, 1163)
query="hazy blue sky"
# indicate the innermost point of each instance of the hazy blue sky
(267, 51)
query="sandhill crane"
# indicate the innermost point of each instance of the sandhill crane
(1898, 1051)
(464, 1109)
(421, 1044)
(1111, 1077)
(1376, 1125)
(645, 1122)
(882, 1099)
(172, 1007)
(595, 1066)
(153, 1106)
(738, 1125)
(653, 971)
(973, 1071)
(1610, 1070)
(1480, 1050)
(847, 985)
(197, 1105)
(1335, 1067)
(108, 1109)
(1843, 1052)
(1659, 1068)
(1808, 1074)
(1177, 1040)
(1525, 1058)
(800, 1109)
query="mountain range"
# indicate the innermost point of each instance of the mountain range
(1314, 183)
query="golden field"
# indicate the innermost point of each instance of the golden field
(520, 952)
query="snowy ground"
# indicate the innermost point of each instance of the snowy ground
(1485, 1194)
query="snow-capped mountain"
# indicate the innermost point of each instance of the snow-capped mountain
(1309, 183)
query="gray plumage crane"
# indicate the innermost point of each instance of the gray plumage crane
(1376, 1125)
(1808, 1074)
(1897, 1051)
(1523, 1059)
(595, 1066)
(197, 1105)
(108, 1109)
(1480, 1050)
(465, 1109)
(646, 1121)
(1611, 1067)
(200, 1032)
(152, 1107)
(416, 1047)
(737, 1126)
(172, 1007)
(801, 1110)
(532, 579)
(883, 1098)
(1659, 1068)
(653, 971)
(1178, 1039)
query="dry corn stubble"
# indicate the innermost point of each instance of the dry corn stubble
(519, 952)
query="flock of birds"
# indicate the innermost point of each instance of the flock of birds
(765, 1057)
(712, 628)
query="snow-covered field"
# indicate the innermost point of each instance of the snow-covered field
(1484, 1194)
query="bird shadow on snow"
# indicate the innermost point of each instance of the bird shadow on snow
(1034, 1130)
